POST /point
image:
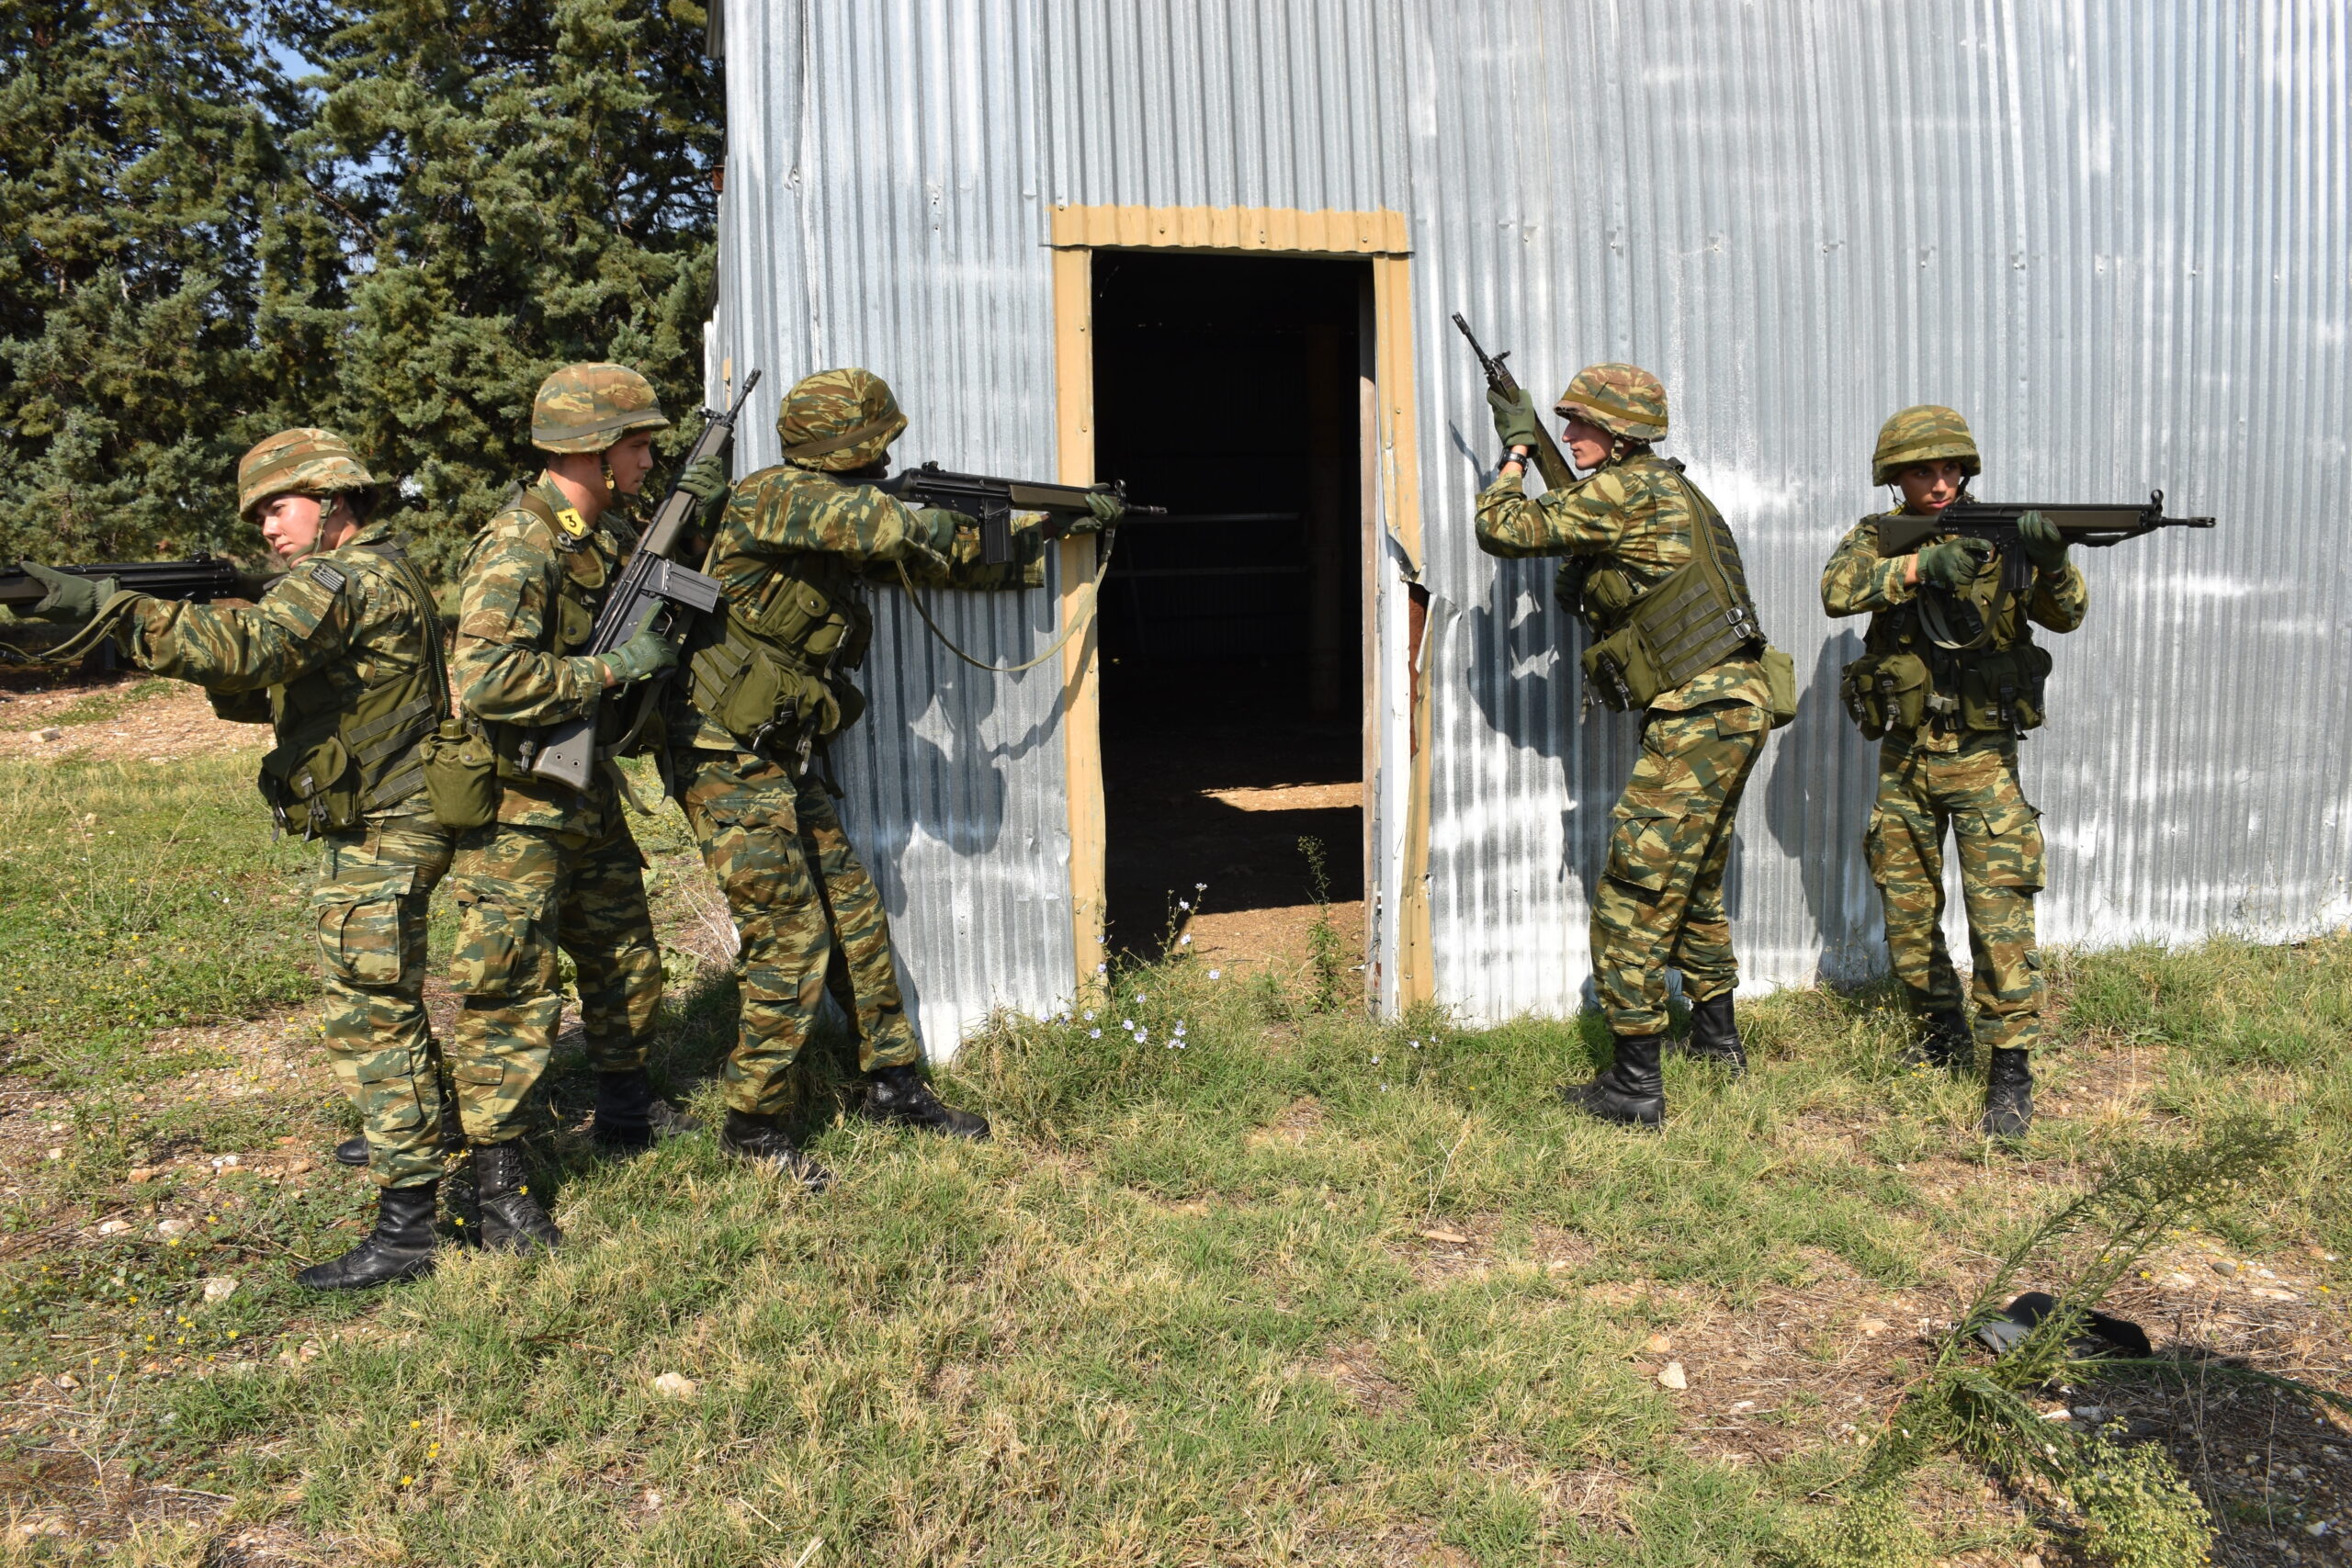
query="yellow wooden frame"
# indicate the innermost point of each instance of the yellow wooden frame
(1076, 233)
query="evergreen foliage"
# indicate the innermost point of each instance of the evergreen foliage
(153, 238)
(200, 243)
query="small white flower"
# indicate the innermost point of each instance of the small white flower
(1376, 1062)
(1183, 903)
(1143, 996)
(1094, 1035)
(1184, 941)
(1127, 1023)
(1215, 973)
(1200, 887)
(1102, 968)
(1090, 1015)
(1142, 1036)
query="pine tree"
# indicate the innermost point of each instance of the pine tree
(162, 272)
(521, 185)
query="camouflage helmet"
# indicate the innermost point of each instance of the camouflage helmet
(1624, 400)
(298, 462)
(1922, 435)
(587, 407)
(839, 419)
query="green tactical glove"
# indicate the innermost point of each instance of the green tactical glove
(69, 600)
(1952, 563)
(935, 530)
(1515, 419)
(647, 653)
(1103, 511)
(704, 478)
(2044, 544)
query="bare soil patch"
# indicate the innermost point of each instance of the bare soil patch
(118, 718)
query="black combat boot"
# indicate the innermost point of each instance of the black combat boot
(631, 1116)
(400, 1247)
(762, 1139)
(353, 1151)
(1714, 1036)
(511, 1220)
(1630, 1090)
(2009, 1094)
(1945, 1044)
(901, 1096)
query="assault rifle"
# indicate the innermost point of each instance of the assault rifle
(993, 502)
(653, 584)
(198, 579)
(1996, 523)
(1549, 462)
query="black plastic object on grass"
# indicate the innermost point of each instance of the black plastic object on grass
(2103, 1335)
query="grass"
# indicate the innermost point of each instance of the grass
(1244, 1277)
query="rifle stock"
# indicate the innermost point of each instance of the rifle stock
(652, 585)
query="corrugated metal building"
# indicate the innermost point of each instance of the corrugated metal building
(2117, 233)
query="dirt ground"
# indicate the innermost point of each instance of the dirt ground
(120, 719)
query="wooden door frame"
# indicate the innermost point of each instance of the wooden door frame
(1382, 236)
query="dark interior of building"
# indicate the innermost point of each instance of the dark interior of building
(1226, 390)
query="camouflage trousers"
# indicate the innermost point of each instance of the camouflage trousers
(1974, 792)
(523, 892)
(1660, 901)
(805, 913)
(369, 903)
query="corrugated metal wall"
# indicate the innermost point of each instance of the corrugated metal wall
(882, 209)
(2115, 232)
(2116, 235)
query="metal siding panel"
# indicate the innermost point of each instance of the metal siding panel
(2115, 235)
(897, 228)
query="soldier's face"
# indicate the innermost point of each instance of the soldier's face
(1588, 444)
(291, 524)
(630, 459)
(1932, 487)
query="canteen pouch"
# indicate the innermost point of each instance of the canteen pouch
(769, 695)
(1618, 670)
(1885, 692)
(312, 789)
(2001, 691)
(460, 776)
(1781, 686)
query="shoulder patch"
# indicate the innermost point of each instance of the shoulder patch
(328, 577)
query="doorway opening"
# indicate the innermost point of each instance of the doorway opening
(1230, 390)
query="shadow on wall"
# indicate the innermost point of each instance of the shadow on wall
(1820, 830)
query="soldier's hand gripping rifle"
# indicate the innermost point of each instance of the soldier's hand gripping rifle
(198, 579)
(1996, 524)
(1549, 461)
(652, 588)
(993, 502)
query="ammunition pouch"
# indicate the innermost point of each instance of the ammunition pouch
(2002, 690)
(1885, 692)
(1779, 687)
(768, 678)
(312, 786)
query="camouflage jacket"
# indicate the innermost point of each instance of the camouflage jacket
(791, 520)
(1636, 514)
(343, 616)
(1860, 580)
(527, 602)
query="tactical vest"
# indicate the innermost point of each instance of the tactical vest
(580, 589)
(770, 670)
(1647, 643)
(340, 756)
(1952, 663)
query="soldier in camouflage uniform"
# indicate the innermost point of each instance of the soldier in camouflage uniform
(767, 687)
(1641, 535)
(343, 655)
(555, 867)
(1951, 708)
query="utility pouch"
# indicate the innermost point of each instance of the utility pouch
(1780, 686)
(460, 776)
(1885, 691)
(1619, 669)
(2003, 691)
(312, 788)
(770, 697)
